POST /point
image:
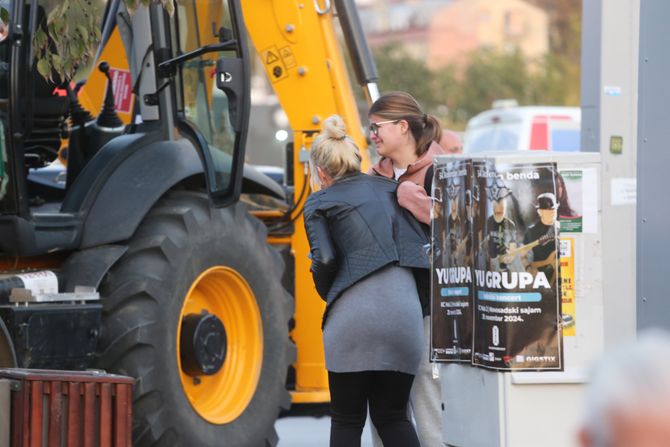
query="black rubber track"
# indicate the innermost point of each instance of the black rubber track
(142, 297)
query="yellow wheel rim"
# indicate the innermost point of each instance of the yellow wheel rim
(221, 398)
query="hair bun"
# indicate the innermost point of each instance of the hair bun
(334, 128)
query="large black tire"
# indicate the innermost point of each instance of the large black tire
(143, 294)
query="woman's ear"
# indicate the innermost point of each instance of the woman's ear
(404, 126)
(324, 178)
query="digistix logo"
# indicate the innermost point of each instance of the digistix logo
(541, 358)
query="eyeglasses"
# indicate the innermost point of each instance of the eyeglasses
(374, 127)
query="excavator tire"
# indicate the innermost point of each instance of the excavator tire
(187, 261)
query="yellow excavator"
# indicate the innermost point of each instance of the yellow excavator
(139, 241)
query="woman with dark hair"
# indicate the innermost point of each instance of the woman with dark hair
(406, 138)
(564, 208)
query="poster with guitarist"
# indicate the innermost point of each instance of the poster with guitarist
(516, 286)
(541, 238)
(451, 303)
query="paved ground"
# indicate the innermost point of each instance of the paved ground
(308, 431)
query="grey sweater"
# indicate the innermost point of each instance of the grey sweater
(376, 325)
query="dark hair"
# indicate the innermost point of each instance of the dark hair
(402, 106)
(564, 208)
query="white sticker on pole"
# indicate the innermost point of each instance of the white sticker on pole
(40, 283)
(624, 191)
(612, 90)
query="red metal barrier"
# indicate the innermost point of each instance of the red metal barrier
(69, 408)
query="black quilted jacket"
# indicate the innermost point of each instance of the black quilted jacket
(355, 227)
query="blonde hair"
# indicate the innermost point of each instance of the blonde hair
(334, 152)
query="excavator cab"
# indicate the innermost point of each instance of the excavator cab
(175, 69)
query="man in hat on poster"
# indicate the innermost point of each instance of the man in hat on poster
(542, 237)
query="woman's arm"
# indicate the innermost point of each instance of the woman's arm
(322, 251)
(414, 199)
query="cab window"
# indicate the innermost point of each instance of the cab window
(201, 103)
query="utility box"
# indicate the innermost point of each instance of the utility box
(68, 408)
(532, 405)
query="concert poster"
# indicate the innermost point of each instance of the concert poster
(452, 280)
(517, 305)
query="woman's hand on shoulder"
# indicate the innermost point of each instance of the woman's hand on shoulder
(413, 198)
(408, 191)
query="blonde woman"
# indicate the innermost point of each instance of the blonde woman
(365, 250)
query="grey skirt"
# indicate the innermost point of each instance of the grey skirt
(376, 325)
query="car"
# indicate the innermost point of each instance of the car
(524, 128)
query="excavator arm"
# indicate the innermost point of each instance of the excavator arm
(299, 49)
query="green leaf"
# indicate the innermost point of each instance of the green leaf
(60, 48)
(57, 62)
(76, 49)
(84, 34)
(53, 14)
(43, 67)
(4, 15)
(40, 40)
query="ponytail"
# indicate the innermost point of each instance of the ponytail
(432, 131)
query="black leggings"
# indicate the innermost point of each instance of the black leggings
(387, 393)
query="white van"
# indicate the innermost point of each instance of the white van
(526, 128)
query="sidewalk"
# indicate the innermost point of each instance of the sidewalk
(307, 431)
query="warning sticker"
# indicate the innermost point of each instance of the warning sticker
(271, 58)
(274, 64)
(123, 89)
(287, 57)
